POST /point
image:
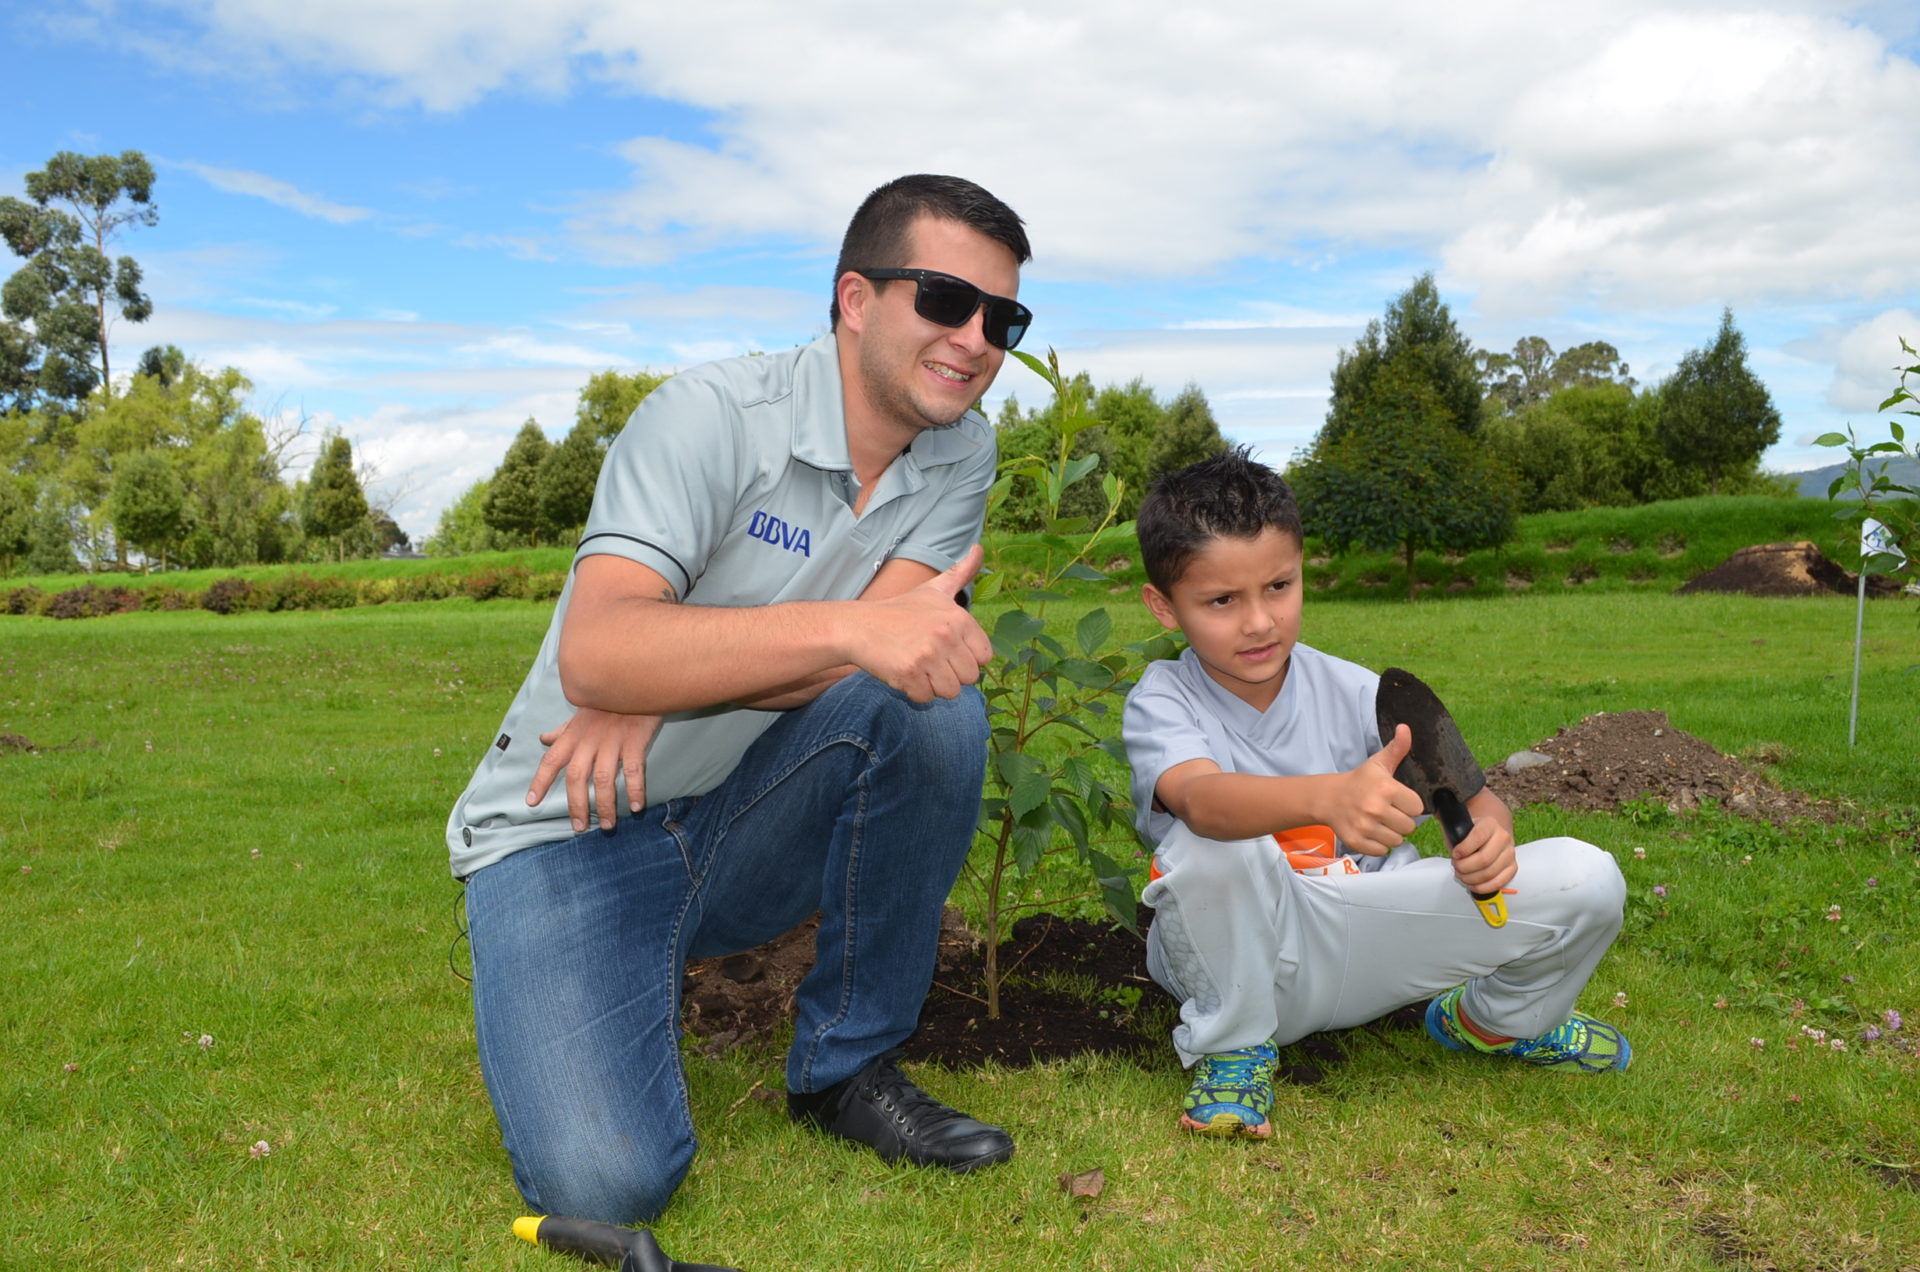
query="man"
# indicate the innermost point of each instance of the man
(764, 607)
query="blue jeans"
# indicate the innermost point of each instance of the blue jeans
(860, 805)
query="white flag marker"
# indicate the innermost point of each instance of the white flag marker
(1875, 541)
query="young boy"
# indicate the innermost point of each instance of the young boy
(1250, 734)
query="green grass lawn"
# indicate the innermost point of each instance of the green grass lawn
(228, 922)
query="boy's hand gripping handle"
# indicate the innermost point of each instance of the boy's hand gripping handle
(1457, 824)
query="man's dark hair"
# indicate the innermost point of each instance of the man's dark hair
(1229, 496)
(877, 235)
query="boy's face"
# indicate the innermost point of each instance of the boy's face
(1239, 605)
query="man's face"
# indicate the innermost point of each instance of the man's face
(918, 374)
(1239, 605)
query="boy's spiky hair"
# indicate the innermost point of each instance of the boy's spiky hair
(1230, 496)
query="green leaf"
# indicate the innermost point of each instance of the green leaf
(1116, 890)
(1083, 572)
(1013, 629)
(1830, 439)
(1039, 368)
(1079, 776)
(1079, 467)
(1015, 767)
(1030, 843)
(1093, 630)
(1071, 818)
(1029, 793)
(1088, 674)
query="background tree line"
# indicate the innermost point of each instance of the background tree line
(168, 466)
(1137, 437)
(1430, 443)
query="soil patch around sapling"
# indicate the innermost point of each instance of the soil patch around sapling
(1073, 987)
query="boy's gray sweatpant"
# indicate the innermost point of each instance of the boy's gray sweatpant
(1255, 951)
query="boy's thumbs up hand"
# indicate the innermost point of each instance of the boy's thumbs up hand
(1372, 812)
(921, 642)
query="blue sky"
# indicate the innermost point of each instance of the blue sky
(422, 223)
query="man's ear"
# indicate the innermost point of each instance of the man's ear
(1157, 603)
(853, 291)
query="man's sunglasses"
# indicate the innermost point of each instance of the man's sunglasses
(949, 301)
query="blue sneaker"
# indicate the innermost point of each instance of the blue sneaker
(1232, 1093)
(1582, 1045)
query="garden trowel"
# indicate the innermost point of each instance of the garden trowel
(1439, 769)
(625, 1249)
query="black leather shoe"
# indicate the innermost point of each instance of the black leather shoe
(881, 1108)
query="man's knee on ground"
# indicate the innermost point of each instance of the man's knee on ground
(614, 1182)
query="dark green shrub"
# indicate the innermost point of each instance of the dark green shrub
(229, 596)
(23, 600)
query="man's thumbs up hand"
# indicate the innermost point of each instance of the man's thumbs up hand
(921, 642)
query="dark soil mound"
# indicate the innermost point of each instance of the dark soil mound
(1611, 758)
(1076, 987)
(1784, 569)
(1073, 987)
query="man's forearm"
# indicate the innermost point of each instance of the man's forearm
(789, 697)
(651, 657)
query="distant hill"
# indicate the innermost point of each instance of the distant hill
(1814, 482)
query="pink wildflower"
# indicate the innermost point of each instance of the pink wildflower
(1659, 889)
(1620, 999)
(260, 1149)
(1758, 1043)
(1893, 1020)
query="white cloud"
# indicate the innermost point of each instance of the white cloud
(276, 191)
(1866, 359)
(434, 455)
(521, 348)
(1637, 152)
(1273, 314)
(1721, 156)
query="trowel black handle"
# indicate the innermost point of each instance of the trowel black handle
(628, 1249)
(1458, 824)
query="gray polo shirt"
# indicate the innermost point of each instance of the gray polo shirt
(1321, 722)
(732, 480)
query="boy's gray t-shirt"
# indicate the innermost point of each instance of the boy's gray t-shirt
(732, 481)
(1322, 721)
